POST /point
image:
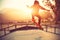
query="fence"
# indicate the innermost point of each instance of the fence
(15, 26)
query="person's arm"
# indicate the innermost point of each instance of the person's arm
(43, 8)
(30, 6)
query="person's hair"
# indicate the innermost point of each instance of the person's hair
(36, 2)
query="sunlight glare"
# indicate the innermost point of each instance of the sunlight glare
(21, 5)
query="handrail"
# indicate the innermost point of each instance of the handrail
(15, 25)
(4, 29)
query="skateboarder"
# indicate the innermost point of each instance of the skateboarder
(35, 12)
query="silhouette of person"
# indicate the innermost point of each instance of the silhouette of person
(35, 12)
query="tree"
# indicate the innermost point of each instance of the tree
(57, 10)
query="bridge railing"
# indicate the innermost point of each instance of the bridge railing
(55, 26)
(9, 26)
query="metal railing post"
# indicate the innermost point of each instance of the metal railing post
(54, 29)
(15, 26)
(4, 31)
(46, 28)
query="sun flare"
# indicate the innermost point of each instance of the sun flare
(20, 5)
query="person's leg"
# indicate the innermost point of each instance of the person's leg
(34, 21)
(39, 23)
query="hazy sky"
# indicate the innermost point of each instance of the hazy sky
(18, 3)
(17, 9)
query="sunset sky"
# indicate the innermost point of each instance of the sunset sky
(17, 9)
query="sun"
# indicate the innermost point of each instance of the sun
(28, 11)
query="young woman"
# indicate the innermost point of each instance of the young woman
(35, 13)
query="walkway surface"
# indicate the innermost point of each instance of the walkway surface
(35, 34)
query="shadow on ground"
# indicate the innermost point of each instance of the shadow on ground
(25, 28)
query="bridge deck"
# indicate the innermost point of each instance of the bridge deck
(24, 33)
(31, 35)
